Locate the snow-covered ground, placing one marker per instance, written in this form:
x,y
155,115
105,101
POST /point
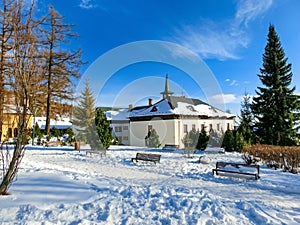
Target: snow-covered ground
x,y
63,186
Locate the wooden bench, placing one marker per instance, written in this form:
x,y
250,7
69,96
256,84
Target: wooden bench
x,y
171,147
53,143
99,152
237,168
146,157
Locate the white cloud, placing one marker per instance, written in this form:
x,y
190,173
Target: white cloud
x,y
234,83
249,10
209,43
87,4
178,51
222,40
224,98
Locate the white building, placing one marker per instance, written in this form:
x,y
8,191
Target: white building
x,y
172,117
120,124
58,122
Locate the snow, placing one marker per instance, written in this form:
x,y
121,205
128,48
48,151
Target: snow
x,y
64,186
121,114
163,108
59,123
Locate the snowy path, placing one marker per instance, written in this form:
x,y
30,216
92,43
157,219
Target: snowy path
x,y
67,187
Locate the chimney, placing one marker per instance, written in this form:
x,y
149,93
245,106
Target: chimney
x,y
150,101
130,107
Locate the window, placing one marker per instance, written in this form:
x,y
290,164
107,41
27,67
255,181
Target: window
x,y
9,133
185,128
118,129
218,127
194,127
125,127
125,138
120,139
210,127
228,126
15,132
154,109
190,107
202,127
149,127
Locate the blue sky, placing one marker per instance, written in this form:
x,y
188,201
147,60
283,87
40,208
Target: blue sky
x,y
229,36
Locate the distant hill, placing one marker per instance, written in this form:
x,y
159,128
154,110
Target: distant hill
x,y
105,109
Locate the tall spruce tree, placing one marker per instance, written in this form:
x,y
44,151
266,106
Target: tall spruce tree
x,y
89,123
84,113
276,107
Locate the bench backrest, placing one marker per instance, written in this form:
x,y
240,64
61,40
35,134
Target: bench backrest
x,y
223,164
148,156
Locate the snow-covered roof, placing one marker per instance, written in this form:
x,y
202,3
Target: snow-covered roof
x,y
180,106
122,114
12,109
60,123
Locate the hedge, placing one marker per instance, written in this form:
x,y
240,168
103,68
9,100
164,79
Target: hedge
x,y
286,157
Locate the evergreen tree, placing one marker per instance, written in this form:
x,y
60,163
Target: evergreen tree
x,y
103,129
239,141
202,140
187,141
84,114
228,141
276,107
93,137
246,122
215,138
194,136
152,139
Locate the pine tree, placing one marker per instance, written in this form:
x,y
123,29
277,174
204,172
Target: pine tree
x,y
84,113
215,138
202,140
103,129
228,141
276,107
246,122
152,139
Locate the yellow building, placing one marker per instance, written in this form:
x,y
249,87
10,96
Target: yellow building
x,y
11,121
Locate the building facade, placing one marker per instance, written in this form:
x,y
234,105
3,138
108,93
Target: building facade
x,y
172,117
120,124
10,126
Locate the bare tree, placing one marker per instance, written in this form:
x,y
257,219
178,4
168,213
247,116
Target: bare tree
x,y
61,65
5,35
22,68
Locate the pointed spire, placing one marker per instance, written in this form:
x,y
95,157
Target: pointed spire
x,y
167,93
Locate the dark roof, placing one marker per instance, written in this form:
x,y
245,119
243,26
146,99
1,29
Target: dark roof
x,y
173,101
139,107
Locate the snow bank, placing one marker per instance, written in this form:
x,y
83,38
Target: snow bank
x,y
67,187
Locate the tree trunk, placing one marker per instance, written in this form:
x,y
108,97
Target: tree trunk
x,y
11,173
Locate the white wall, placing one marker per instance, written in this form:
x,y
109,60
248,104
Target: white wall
x,y
164,128
171,132
122,131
